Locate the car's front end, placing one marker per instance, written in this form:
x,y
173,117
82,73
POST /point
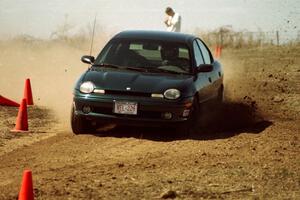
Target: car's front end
x,y
154,104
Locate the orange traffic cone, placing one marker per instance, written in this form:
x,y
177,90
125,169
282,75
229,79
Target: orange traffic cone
x,y
7,102
26,192
218,51
22,119
28,92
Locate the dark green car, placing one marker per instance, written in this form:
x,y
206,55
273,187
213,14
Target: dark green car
x,y
148,78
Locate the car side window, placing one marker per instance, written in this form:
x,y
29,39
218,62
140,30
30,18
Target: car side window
x,y
205,52
198,55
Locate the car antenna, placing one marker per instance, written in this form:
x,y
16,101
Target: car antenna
x,y
93,34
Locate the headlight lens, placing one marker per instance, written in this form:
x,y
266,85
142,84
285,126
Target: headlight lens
x,y
87,87
172,94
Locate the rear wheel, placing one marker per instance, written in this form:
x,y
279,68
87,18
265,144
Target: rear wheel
x,y
79,124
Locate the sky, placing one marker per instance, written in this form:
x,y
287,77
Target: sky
x,y
41,18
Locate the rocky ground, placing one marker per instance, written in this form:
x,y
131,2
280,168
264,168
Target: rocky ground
x,y
252,151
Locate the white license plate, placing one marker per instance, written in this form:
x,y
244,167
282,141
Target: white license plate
x,y
127,108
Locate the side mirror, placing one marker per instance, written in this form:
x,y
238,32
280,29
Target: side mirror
x,y
88,59
205,68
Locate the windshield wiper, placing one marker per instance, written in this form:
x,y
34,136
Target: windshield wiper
x,y
107,65
165,71
120,67
136,69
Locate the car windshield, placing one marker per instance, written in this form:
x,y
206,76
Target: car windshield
x,y
147,56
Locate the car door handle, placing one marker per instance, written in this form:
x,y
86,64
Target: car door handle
x,y
209,78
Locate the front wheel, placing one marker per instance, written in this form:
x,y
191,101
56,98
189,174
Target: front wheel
x,y
190,126
79,125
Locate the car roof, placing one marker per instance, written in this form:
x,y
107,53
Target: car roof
x,y
155,35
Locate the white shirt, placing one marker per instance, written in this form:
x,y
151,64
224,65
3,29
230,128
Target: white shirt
x,y
174,23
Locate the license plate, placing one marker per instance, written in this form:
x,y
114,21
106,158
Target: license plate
x,y
126,108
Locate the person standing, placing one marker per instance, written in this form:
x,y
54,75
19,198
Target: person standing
x,y
173,20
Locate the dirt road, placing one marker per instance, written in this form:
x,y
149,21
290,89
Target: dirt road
x,y
251,153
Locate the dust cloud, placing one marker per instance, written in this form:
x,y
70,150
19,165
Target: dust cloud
x,y
53,68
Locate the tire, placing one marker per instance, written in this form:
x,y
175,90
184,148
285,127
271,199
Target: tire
x,y
79,125
190,126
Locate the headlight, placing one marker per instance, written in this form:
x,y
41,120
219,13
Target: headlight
x,y
172,94
87,87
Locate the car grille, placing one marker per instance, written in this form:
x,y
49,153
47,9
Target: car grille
x,y
127,93
107,111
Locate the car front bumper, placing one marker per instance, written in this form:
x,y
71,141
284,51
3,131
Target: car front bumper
x,y
151,111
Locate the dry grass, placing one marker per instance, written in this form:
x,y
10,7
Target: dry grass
x,y
244,39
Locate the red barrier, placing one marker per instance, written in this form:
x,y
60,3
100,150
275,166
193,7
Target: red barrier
x,y
7,102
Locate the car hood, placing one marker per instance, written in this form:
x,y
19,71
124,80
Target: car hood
x,y
119,80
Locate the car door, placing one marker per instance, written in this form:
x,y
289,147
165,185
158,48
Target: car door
x,y
202,82
213,76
